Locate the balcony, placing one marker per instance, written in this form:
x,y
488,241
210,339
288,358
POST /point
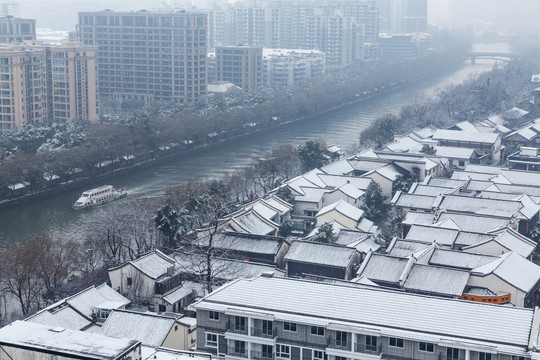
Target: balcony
x,y
236,330
264,333
338,344
259,355
237,354
369,349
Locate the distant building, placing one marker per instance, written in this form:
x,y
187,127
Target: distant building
x,y
16,30
54,83
148,56
288,67
240,65
399,47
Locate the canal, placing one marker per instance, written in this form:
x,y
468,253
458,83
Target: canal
x,y
341,127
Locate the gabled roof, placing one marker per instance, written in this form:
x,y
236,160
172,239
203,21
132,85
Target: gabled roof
x,y
188,287
312,195
383,268
335,181
436,280
480,206
251,222
150,329
472,222
69,343
405,248
431,234
340,167
351,191
514,241
153,264
66,317
474,137
361,241
414,201
244,243
466,126
310,252
514,269
459,259
420,218
344,208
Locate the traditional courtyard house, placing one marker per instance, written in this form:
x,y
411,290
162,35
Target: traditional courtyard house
x,y
151,329
329,260
26,340
489,143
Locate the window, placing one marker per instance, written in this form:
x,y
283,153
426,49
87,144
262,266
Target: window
x,y
371,343
397,342
283,351
267,351
452,354
129,281
484,356
340,358
289,326
317,330
239,347
341,338
518,357
425,346
213,315
239,323
267,327
318,355
461,163
162,308
211,340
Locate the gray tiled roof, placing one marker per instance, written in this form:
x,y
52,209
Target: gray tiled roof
x,y
388,311
319,253
459,259
383,268
430,234
436,280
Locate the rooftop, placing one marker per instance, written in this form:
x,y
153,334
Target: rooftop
x,y
456,135
69,343
320,253
436,280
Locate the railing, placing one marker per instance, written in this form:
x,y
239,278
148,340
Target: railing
x,y
368,349
265,333
259,355
233,329
232,352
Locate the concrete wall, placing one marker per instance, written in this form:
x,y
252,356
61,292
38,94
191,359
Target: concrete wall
x,y
334,215
496,284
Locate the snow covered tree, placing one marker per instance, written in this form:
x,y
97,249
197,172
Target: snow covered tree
x,y
167,222
311,155
403,183
428,150
374,202
325,234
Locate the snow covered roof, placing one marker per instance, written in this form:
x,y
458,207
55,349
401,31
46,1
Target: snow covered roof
x,y
480,206
346,237
435,280
66,317
468,238
466,126
65,342
471,222
459,259
414,201
390,171
405,144
429,190
336,181
383,268
279,204
153,264
150,329
454,152
514,241
340,167
323,254
420,218
351,191
245,243
474,137
222,87
404,248
514,269
252,223
174,296
430,234
343,208
312,195
405,315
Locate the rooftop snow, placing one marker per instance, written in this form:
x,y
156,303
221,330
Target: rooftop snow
x,y
244,243
154,264
85,301
514,269
252,224
436,280
343,208
431,234
476,223
456,135
459,259
319,253
361,306
64,341
383,268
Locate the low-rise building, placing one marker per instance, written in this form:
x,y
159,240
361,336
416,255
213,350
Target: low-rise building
x,y
298,319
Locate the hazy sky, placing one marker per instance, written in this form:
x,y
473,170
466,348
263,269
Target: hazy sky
x,y
509,14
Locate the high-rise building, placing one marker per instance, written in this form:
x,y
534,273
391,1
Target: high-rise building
x,y
16,30
289,67
71,80
240,65
148,56
38,83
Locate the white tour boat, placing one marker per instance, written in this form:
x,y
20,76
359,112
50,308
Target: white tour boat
x,y
98,196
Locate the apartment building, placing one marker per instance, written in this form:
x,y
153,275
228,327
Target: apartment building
x,y
283,67
148,56
240,65
284,318
16,30
53,82
72,82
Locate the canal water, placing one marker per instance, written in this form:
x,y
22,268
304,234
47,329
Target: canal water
x,y
341,127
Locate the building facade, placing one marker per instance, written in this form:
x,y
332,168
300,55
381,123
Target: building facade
x,y
16,30
148,56
271,318
240,65
288,67
54,83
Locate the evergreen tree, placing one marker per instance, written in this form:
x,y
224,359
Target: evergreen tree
x,y
311,155
374,202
